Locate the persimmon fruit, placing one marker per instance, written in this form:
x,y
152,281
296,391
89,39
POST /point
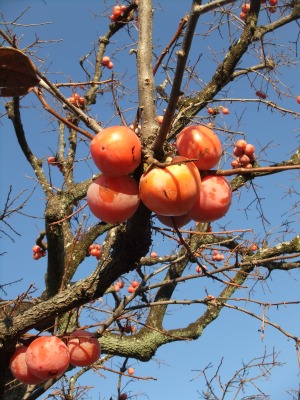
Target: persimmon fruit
x,y
19,367
84,348
116,150
174,221
261,94
246,8
198,142
47,357
171,190
113,199
213,201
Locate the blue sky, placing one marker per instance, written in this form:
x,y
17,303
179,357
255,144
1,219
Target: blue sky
x,y
233,335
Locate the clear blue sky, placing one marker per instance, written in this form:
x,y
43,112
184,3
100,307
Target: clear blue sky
x,y
233,336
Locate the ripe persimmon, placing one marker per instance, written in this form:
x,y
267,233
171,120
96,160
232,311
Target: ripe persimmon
x,y
171,190
171,221
47,357
200,143
246,8
113,199
116,150
19,367
261,94
213,201
84,348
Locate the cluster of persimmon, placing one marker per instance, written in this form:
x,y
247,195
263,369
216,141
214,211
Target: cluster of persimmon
x,y
175,192
118,286
77,100
217,256
95,250
49,357
246,8
117,12
245,154
106,62
217,110
245,11
38,252
131,288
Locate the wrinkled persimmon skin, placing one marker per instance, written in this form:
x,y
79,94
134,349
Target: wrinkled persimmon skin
x,y
116,150
213,201
172,190
19,367
200,143
47,357
84,348
113,199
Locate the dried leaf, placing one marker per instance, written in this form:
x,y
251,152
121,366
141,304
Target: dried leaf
x,y
17,73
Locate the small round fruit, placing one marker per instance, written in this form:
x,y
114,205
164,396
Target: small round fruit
x,y
249,149
130,289
241,144
160,119
47,357
172,221
135,284
153,254
116,150
105,60
52,160
84,348
244,159
213,201
19,367
235,163
123,396
225,110
36,249
261,94
246,8
272,10
243,16
130,371
171,190
237,151
200,143
298,99
113,199
211,111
